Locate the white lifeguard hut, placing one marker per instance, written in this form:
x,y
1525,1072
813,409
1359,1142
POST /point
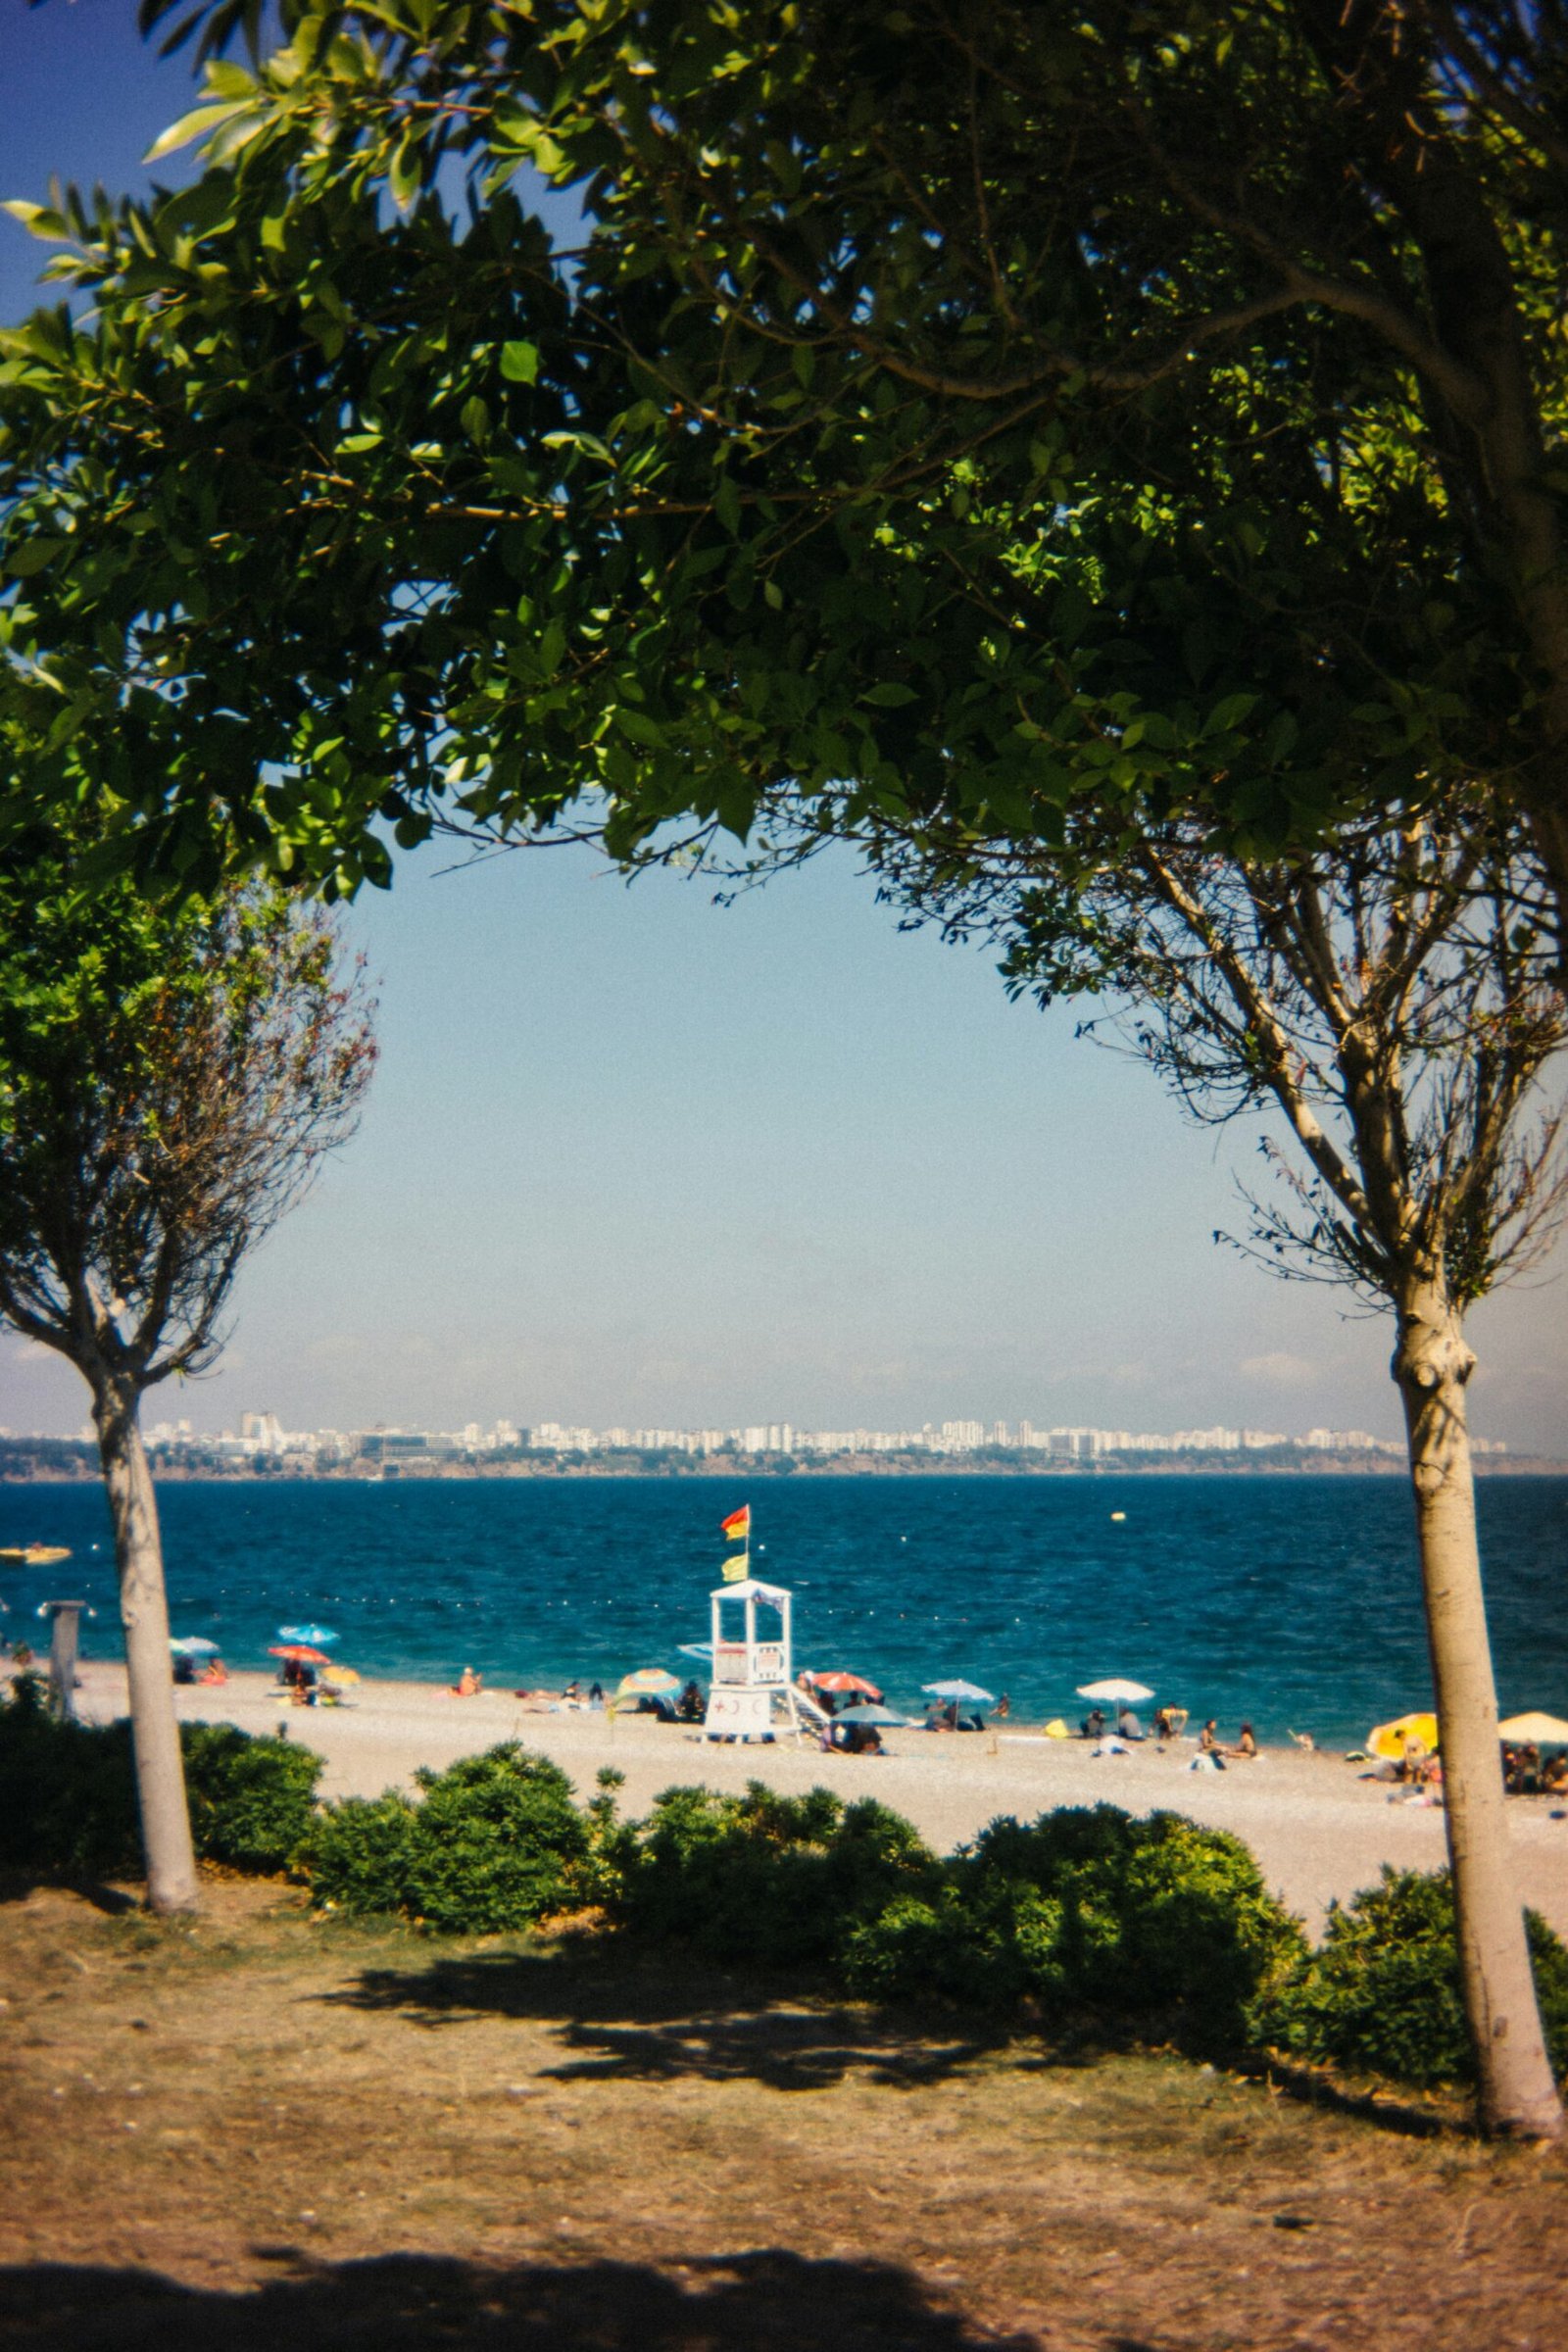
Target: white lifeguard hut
x,y
752,1694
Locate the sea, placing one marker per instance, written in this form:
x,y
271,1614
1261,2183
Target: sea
x,y
1291,1601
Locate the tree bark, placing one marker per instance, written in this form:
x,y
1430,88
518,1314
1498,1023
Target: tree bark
x,y
144,1613
1431,1366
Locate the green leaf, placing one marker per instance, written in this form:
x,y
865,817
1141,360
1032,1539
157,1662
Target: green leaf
x,y
191,127
33,556
890,695
519,363
640,727
727,506
38,220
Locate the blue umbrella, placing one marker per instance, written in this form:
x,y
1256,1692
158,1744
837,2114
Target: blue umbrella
x,y
877,1715
960,1691
314,1636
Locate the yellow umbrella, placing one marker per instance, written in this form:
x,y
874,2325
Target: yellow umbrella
x,y
1389,1739
339,1674
1547,1731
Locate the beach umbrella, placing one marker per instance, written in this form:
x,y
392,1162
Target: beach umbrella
x,y
874,1714
1123,1693
302,1654
315,1634
696,1650
1389,1738
1547,1731
838,1680
648,1682
970,1690
194,1645
342,1675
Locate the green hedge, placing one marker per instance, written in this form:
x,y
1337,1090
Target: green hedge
x,y
766,1876
68,1791
495,1843
1151,1925
1381,1993
1139,1920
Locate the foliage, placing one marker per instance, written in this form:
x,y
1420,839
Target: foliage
x,y
252,1800
358,1854
1091,1910
169,1078
767,1876
495,1841
854,457
68,1798
1381,1994
68,1791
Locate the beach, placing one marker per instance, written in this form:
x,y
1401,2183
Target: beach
x,y
1318,1828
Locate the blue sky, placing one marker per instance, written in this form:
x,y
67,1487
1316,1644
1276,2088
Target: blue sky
x,y
632,1158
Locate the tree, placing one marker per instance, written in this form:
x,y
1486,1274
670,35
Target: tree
x,y
869,299
169,1082
1386,1000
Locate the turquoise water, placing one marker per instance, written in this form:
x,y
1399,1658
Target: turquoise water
x,y
1293,1601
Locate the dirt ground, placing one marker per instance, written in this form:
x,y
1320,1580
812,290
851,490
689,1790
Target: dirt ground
x,y
261,2131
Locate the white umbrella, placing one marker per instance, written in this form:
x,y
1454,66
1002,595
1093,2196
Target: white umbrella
x,y
1122,1692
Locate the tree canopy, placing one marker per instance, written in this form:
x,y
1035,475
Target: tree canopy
x,y
946,413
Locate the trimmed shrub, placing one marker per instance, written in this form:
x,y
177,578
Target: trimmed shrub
x,y
358,1853
497,1842
251,1801
1381,1995
494,1842
68,1791
768,1877
1095,1910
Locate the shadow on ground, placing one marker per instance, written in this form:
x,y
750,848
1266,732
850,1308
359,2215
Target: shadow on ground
x,y
659,2023
767,2301
17,1884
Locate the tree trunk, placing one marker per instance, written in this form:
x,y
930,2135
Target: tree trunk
x,y
1431,1364
144,1613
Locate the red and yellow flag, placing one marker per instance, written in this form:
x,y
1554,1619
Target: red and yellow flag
x,y
738,1526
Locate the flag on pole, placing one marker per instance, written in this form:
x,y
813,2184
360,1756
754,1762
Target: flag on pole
x,y
735,1568
738,1526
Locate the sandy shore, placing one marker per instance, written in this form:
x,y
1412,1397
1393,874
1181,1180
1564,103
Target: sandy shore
x,y
1317,1828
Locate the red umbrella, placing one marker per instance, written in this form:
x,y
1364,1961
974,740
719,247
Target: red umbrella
x,y
302,1654
843,1682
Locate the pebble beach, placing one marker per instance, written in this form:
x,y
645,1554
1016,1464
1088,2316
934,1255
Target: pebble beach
x,y
1318,1828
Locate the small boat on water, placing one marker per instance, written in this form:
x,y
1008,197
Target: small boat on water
x,y
35,1555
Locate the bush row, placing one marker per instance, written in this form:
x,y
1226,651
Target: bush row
x,y
67,1794
1151,1926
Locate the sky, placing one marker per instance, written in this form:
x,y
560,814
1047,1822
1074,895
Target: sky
x,y
633,1159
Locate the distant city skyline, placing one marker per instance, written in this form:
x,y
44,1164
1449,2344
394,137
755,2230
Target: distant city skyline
x,y
262,1435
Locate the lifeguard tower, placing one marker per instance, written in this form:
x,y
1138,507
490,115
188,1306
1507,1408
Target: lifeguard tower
x,y
753,1695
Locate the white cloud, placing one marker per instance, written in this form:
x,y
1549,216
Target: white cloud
x,y
1285,1370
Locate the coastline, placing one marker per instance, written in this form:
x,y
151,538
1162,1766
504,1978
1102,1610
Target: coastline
x,y
719,1466
1318,1830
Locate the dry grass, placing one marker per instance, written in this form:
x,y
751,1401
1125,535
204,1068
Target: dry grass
x,y
264,2130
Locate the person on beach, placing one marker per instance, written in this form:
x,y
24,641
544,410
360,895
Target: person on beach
x,y
596,1694
1208,1737
1246,1744
1004,1708
468,1685
1094,1724
1305,1743
1129,1725
1554,1775
691,1706
1168,1723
